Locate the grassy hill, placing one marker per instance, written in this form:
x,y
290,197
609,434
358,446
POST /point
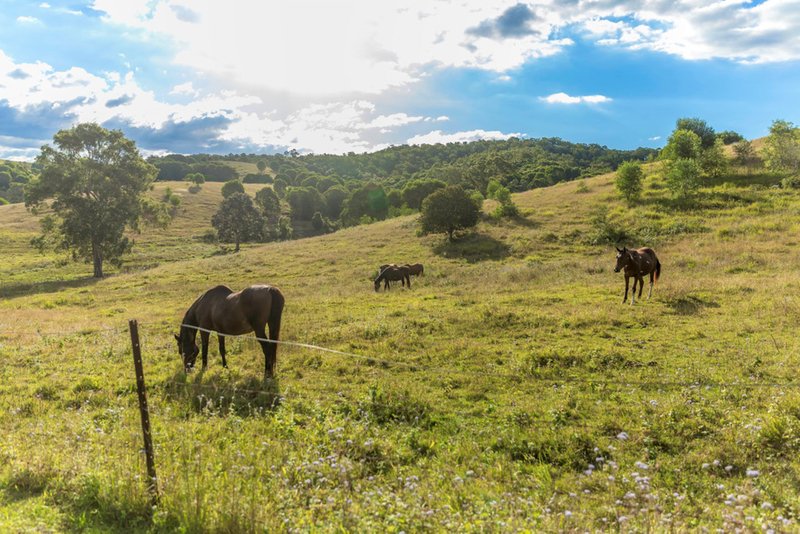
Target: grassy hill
x,y
508,389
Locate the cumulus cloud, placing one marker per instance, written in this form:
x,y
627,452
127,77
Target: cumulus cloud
x,y
28,20
564,98
437,136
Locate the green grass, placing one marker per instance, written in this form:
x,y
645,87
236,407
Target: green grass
x,y
517,367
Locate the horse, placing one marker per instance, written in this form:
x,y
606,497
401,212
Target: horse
x,y
636,264
415,269
392,273
228,313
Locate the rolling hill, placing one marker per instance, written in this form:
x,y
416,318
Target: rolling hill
x,y
508,389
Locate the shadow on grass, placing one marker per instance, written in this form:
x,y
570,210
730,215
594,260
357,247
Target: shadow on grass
x,y
10,291
516,220
223,393
473,248
690,305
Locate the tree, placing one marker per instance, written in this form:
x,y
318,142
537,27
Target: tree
x,y
232,187
304,202
261,166
745,154
713,160
318,222
782,147
684,144
683,177
368,201
238,220
448,210
280,187
629,181
97,181
268,202
701,128
334,199
416,191
729,137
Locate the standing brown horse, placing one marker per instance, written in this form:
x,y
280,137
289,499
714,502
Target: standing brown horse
x,y
392,273
636,264
228,313
415,269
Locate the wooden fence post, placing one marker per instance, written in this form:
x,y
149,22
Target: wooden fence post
x,y
152,486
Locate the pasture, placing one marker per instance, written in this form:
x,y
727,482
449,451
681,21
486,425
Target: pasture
x,y
509,389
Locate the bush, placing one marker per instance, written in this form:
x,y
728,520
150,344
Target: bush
x,y
629,181
582,187
683,177
791,182
507,209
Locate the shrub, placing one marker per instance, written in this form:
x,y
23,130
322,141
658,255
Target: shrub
x,y
629,181
448,210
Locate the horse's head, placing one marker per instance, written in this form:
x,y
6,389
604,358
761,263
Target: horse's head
x,y
378,283
187,348
623,257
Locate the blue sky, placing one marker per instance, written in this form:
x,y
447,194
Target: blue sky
x,y
325,76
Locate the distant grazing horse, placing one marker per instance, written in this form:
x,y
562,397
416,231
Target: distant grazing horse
x,y
392,273
415,269
636,264
233,314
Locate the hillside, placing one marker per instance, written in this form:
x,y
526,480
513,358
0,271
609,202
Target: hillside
x,y
508,389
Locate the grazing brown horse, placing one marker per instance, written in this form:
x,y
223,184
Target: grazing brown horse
x,y
636,264
392,273
228,313
415,269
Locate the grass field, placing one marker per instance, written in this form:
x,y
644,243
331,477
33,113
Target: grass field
x,y
509,389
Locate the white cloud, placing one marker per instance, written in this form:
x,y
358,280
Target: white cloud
x,y
437,136
367,47
184,89
44,5
654,138
28,20
564,98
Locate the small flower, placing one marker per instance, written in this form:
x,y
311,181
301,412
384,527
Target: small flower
x,y
706,465
753,473
766,506
728,468
622,436
567,514
642,465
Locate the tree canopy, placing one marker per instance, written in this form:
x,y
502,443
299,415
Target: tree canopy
x,y
448,210
238,220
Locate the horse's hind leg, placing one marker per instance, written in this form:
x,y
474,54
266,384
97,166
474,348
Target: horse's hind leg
x,y
652,278
641,286
633,293
625,298
221,339
204,342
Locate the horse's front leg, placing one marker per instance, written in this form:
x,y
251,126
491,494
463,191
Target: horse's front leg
x,y
204,342
625,298
633,293
221,339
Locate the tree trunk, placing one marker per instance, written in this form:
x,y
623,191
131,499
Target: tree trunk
x,y
97,260
237,245
450,234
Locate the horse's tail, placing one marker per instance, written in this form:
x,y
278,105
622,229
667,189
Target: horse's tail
x,y
658,271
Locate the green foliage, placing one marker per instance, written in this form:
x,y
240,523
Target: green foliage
x,y
745,154
506,209
683,177
196,178
395,198
269,204
701,128
238,220
304,202
682,144
729,137
713,161
252,178
581,187
5,179
3,201
261,165
416,191
231,188
629,181
448,210
782,147
280,187
791,182
96,180
335,198
367,201
477,198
